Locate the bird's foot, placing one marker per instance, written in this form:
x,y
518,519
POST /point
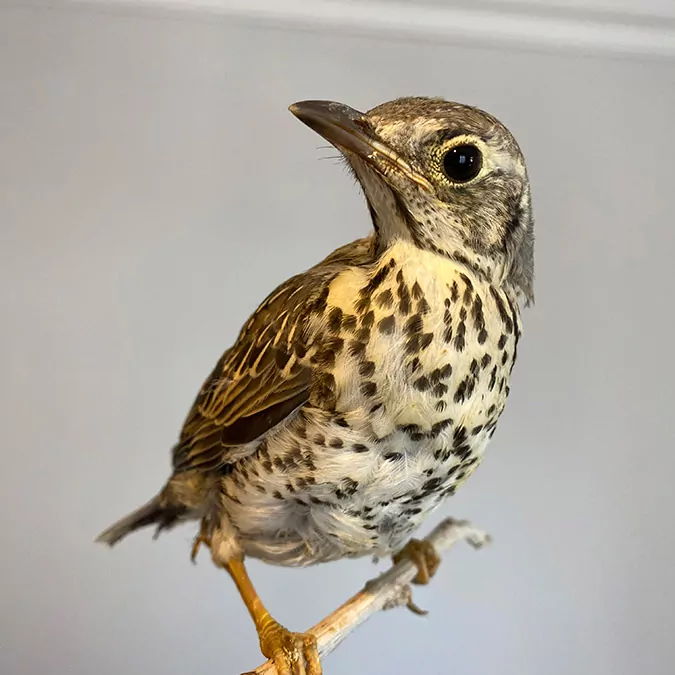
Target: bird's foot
x,y
292,653
425,557
202,538
427,560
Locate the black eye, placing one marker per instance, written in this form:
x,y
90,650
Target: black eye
x,y
462,163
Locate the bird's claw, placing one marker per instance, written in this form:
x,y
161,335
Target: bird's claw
x,y
292,653
423,554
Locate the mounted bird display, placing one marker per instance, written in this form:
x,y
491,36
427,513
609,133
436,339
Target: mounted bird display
x,y
363,392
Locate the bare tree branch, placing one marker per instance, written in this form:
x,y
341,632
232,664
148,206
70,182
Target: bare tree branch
x,y
390,589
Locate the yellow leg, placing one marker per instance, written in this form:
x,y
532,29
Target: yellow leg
x,y
292,653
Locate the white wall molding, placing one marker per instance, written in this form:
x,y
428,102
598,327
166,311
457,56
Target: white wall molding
x,y
516,24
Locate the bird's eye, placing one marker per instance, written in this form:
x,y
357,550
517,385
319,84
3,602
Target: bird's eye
x,y
462,163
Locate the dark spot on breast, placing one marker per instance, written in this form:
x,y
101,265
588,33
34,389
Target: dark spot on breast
x,y
404,303
503,314
415,365
432,484
363,334
459,435
502,341
493,378
412,346
387,325
362,304
356,348
413,431
349,322
335,319
423,306
385,299
336,443
417,291
440,389
425,340
447,334
441,406
440,426
466,280
324,389
462,451
367,368
393,456
422,383
482,336
461,393
454,292
377,280
459,338
368,388
414,325
359,447
308,460
376,407
446,371
485,361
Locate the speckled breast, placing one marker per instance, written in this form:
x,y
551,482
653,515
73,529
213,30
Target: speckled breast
x,y
421,351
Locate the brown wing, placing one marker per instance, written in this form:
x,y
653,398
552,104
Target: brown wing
x,y
266,376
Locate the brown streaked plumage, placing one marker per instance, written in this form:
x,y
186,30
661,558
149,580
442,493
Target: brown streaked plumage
x,y
363,392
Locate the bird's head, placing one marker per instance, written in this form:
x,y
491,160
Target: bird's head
x,y
447,176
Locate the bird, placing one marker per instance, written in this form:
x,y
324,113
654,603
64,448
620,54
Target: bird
x,y
362,392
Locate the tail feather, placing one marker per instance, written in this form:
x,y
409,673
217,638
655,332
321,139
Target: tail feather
x,y
152,513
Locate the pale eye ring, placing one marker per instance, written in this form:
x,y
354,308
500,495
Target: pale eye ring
x,y
462,163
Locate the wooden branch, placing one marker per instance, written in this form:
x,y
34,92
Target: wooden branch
x,y
390,589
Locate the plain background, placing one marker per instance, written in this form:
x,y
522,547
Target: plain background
x,y
153,189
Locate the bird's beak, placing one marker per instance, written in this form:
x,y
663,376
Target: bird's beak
x,y
349,130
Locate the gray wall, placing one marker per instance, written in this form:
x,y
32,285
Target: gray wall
x,y
154,188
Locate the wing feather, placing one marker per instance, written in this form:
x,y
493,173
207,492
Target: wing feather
x,y
266,376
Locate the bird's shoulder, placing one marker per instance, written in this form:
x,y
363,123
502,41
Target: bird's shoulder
x,y
266,374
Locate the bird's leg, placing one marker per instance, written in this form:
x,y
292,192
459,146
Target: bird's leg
x,y
292,653
427,560
202,538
